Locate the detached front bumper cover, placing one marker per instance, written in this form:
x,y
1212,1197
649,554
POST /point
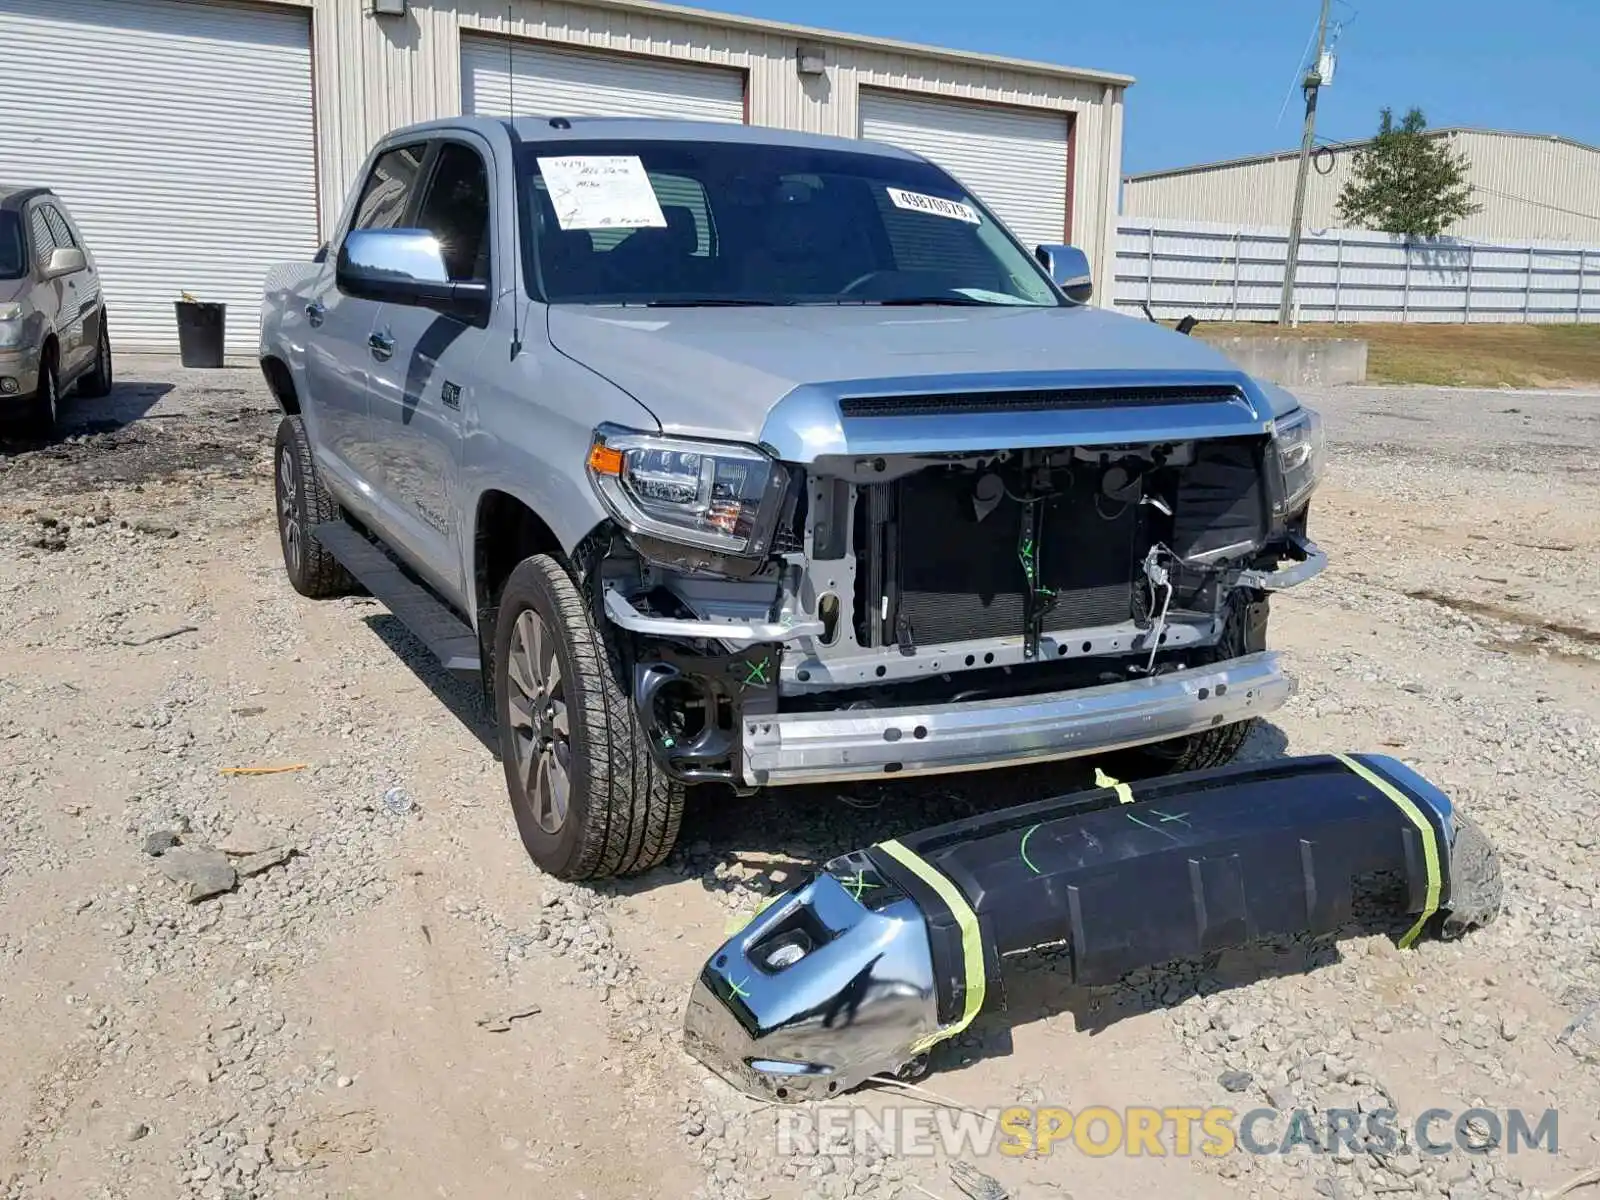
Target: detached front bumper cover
x,y
892,949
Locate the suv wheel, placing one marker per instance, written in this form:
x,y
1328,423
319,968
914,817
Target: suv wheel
x,y
589,800
47,400
98,381
303,504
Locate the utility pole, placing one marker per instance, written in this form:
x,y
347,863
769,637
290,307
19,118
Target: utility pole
x,y
1313,83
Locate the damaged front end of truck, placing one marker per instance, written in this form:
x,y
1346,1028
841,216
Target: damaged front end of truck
x,y
903,579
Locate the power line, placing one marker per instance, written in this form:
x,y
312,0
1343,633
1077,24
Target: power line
x,y
1299,74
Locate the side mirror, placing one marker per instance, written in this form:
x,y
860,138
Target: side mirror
x,y
1069,267
64,260
406,266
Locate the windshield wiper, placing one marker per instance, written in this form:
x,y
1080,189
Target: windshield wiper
x,y
961,301
715,302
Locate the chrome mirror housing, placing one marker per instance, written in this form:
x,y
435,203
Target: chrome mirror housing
x,y
1069,268
406,266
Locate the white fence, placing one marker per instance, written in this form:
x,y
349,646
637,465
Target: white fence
x,y
1231,273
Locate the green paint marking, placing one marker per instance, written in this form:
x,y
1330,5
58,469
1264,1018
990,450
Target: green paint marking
x,y
1023,850
737,989
1150,827
1168,818
757,673
858,885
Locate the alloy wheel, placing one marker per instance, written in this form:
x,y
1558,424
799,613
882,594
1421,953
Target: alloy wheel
x,y
541,733
288,510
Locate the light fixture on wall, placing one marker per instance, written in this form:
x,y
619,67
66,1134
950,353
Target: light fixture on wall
x,y
809,60
388,8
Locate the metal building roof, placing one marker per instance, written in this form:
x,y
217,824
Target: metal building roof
x,y
836,38
1337,147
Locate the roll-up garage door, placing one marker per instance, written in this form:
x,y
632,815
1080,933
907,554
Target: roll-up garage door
x,y
1015,161
180,135
500,78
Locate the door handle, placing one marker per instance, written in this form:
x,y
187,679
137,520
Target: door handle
x,y
315,312
382,345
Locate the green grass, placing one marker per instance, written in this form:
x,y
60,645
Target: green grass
x,y
1458,355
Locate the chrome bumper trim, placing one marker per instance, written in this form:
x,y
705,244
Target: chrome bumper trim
x,y
736,633
867,744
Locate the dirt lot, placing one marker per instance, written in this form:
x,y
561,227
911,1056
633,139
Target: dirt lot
x,y
319,1031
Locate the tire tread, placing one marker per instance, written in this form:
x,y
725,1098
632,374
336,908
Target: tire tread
x,y
634,809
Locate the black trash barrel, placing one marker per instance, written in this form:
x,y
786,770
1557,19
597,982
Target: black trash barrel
x,y
202,330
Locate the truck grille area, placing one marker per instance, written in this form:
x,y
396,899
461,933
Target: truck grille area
x,y
1051,400
959,564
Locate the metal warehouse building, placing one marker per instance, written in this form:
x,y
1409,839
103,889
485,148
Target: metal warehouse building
x,y
1531,187
201,141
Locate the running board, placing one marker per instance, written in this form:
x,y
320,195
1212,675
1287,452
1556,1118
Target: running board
x,y
892,949
447,637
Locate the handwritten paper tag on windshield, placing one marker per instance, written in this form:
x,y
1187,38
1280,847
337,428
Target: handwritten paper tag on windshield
x,y
935,205
594,192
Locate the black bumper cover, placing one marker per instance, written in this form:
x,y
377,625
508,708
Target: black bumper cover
x,y
891,949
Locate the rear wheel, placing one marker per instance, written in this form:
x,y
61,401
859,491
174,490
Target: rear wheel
x,y
303,504
589,799
98,381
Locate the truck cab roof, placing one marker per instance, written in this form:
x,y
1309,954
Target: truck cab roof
x,y
556,128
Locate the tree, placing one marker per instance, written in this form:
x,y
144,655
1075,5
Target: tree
x,y
1407,181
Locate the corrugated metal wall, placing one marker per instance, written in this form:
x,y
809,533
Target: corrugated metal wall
x,y
1235,273
1530,188
374,74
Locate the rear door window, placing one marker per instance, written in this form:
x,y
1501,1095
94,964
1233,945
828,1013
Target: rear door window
x,y
39,232
59,229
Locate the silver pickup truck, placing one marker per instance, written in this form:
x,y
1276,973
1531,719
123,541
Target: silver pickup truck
x,y
729,455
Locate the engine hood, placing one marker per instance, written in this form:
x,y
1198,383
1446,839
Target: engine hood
x,y
775,374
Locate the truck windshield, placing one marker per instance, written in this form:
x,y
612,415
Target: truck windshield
x,y
13,254
670,223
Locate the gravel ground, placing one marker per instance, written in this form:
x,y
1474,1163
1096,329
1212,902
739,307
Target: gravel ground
x,y
384,999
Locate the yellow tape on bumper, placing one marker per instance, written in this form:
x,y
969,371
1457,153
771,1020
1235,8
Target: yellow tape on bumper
x,y
1430,841
1123,791
971,940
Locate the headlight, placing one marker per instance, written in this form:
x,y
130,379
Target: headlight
x,y
12,323
1298,441
712,495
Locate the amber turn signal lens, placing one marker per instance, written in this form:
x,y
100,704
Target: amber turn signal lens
x,y
603,460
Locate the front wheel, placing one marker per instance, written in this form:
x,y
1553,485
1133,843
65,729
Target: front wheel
x,y
589,799
1244,633
46,410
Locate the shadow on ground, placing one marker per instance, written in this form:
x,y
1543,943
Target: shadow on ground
x,y
463,698
79,416
806,826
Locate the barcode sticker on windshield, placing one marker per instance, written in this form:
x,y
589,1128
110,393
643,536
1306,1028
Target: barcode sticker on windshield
x,y
936,205
602,192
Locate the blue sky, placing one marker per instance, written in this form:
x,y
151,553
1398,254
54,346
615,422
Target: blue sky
x,y
1212,76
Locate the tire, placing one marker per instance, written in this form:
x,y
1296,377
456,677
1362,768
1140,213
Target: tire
x,y
552,669
98,382
1202,751
1210,748
46,408
303,504
1476,888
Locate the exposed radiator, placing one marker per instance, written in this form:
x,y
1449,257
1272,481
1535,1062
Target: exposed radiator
x,y
959,577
